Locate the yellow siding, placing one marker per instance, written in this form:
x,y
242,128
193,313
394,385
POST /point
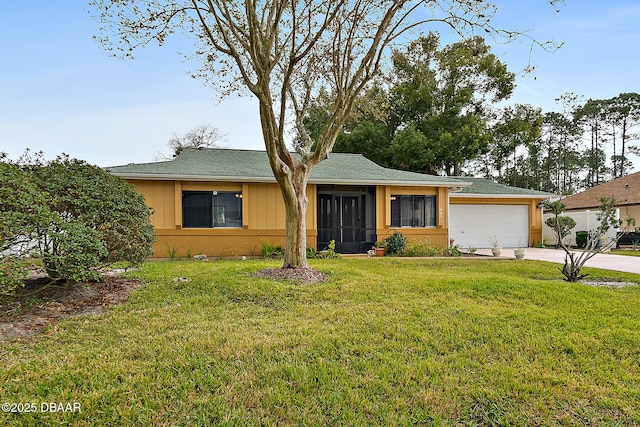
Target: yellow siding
x,y
438,235
159,195
263,216
266,206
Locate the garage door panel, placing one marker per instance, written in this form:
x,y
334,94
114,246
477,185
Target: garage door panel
x,y
475,225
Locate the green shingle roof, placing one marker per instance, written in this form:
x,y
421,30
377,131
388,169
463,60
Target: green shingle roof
x,y
218,164
215,164
483,186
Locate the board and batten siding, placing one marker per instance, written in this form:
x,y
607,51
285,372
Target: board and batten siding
x,y
263,219
438,236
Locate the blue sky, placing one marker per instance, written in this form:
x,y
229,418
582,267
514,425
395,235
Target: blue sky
x,y
61,92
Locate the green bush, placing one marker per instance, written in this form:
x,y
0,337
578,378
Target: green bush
x,y
23,209
581,239
329,251
12,272
75,253
422,248
102,202
396,243
76,216
271,250
22,212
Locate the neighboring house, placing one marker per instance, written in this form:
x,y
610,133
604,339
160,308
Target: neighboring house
x,y
625,190
486,210
584,207
226,202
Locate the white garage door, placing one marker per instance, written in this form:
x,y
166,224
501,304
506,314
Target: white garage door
x,y
474,225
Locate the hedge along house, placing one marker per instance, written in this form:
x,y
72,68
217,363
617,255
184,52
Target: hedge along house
x,y
221,202
226,202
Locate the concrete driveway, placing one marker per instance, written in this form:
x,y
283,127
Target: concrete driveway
x,y
629,264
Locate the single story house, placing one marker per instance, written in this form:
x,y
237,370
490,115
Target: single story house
x,y
625,190
227,202
486,211
584,207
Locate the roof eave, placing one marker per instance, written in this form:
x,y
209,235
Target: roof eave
x,y
390,182
171,177
501,196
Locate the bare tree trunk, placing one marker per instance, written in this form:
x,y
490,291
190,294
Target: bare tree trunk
x,y
296,203
292,176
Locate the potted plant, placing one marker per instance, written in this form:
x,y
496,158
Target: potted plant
x,y
496,249
519,252
380,247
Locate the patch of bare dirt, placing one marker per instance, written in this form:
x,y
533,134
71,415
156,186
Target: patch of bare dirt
x,y
303,275
28,314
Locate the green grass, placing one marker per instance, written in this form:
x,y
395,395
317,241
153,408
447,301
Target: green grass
x,y
382,342
625,252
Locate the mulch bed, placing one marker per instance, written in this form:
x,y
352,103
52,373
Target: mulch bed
x,y
28,314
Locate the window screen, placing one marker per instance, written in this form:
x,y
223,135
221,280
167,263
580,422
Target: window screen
x,y
207,209
413,211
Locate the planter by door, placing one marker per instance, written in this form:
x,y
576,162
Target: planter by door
x,y
519,253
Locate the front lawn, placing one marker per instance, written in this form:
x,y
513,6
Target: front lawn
x,y
627,252
382,342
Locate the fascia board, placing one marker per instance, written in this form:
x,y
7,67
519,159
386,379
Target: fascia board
x,y
499,196
170,177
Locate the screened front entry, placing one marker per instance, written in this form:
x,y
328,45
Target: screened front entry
x,y
346,215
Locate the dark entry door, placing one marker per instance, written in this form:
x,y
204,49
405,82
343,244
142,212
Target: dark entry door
x,y
341,217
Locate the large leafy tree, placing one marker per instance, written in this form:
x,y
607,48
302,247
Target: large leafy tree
x,y
591,116
620,116
283,52
519,127
562,160
445,95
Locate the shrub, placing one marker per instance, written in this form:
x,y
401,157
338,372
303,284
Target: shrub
x,y
11,275
74,253
271,250
581,239
561,225
329,251
422,248
396,243
77,216
101,202
23,209
607,219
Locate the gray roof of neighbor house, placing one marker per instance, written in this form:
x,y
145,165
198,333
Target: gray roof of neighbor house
x,y
482,187
625,190
217,164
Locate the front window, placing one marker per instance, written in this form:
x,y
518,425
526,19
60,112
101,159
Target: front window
x,y
208,209
413,211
